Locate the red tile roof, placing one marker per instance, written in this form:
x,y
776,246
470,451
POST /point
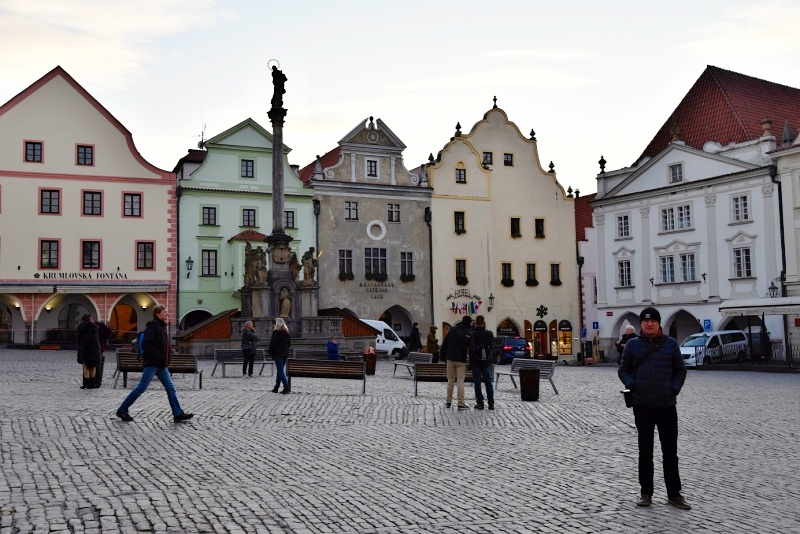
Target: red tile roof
x,y
583,216
194,156
248,235
328,160
728,107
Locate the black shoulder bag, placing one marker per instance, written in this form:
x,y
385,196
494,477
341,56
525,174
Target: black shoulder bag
x,y
628,394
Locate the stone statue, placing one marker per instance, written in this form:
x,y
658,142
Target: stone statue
x,y
249,272
286,302
260,261
294,265
309,266
278,82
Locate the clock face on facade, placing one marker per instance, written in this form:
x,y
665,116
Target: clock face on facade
x,y
281,255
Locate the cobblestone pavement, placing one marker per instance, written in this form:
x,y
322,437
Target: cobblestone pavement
x,y
324,459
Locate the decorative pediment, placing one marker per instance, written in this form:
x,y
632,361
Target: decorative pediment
x,y
623,252
741,238
373,133
677,245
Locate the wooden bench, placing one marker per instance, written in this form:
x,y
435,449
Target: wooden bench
x,y
298,367
434,372
413,357
224,357
322,354
131,362
546,370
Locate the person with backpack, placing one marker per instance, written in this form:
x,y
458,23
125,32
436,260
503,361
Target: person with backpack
x,y
480,361
155,350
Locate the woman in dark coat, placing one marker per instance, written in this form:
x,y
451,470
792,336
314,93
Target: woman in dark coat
x,y
279,350
88,350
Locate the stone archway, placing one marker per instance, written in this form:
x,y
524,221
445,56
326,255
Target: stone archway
x,y
399,319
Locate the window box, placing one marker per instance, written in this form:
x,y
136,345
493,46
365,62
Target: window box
x,y
407,277
531,282
378,277
462,280
507,282
346,276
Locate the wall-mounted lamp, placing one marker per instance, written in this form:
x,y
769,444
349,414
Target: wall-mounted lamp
x,y
773,290
491,302
47,309
189,265
651,281
144,306
16,305
704,276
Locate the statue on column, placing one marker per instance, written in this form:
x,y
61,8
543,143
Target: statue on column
x,y
294,266
309,266
255,265
249,272
278,82
286,302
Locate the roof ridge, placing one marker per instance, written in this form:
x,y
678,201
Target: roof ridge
x,y
712,71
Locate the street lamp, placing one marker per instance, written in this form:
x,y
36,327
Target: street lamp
x,y
491,301
773,290
189,265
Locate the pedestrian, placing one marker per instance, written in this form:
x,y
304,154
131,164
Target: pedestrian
x,y
333,349
629,334
89,352
455,349
432,344
480,361
155,351
279,350
414,341
104,334
249,346
652,368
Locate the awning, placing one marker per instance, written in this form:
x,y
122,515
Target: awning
x,y
766,306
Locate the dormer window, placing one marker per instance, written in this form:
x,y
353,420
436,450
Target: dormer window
x,y
676,173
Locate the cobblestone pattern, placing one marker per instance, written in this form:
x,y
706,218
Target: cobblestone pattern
x,y
324,459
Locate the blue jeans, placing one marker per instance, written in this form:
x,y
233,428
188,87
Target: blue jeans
x,y
483,373
280,378
147,375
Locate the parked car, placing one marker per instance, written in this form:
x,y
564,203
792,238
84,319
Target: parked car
x,y
508,348
706,348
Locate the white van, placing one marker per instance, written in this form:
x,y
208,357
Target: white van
x,y
387,339
718,346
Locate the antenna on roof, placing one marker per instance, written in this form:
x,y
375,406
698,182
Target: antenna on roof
x,y
202,143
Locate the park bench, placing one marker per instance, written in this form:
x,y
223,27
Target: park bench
x,y
299,367
131,362
224,357
322,354
434,372
546,370
413,357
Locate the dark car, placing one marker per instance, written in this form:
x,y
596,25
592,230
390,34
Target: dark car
x,y
508,348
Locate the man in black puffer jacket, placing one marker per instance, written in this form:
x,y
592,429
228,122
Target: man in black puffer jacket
x,y
652,368
455,349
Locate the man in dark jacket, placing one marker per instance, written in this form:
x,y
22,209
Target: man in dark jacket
x,y
155,358
249,342
455,348
480,361
414,340
652,368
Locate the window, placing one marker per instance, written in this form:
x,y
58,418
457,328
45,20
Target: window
x,y
144,254
623,226
508,160
209,216
676,218
49,254
49,201
406,263
487,158
538,226
90,255
85,155
687,268
530,271
740,210
741,263
33,151
132,205
345,262
505,270
92,203
351,211
676,173
458,222
248,168
394,212
372,168
288,219
209,263
624,273
461,269
248,217
461,176
667,269
374,260
515,228
555,274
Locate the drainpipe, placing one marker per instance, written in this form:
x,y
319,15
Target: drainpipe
x,y
178,194
773,173
428,219
317,210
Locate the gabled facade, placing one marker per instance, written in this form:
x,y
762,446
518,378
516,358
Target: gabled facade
x,y
86,224
504,238
374,239
225,202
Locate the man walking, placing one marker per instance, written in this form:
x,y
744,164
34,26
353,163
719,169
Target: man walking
x,y
454,350
652,368
415,340
480,361
155,357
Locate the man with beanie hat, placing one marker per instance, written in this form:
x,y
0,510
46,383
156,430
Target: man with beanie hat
x,y
455,348
652,368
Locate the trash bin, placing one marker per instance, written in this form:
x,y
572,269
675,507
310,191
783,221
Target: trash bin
x,y
370,358
529,384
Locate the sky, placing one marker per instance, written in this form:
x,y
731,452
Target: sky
x,y
591,78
